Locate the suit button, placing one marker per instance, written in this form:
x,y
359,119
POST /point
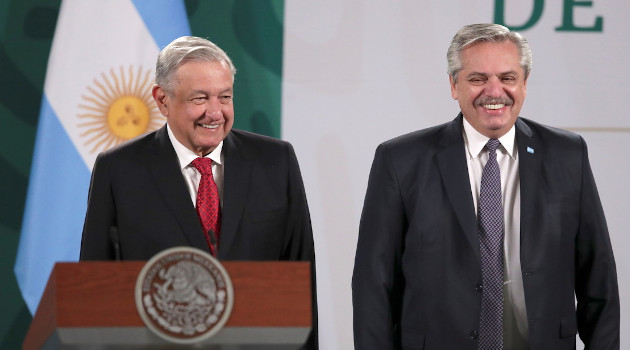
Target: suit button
x,y
474,334
479,288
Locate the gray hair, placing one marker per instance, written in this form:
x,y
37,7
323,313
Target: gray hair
x,y
485,32
186,49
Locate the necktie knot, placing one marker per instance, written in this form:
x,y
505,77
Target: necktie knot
x,y
203,165
492,145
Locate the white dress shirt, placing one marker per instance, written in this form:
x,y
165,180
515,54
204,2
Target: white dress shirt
x,y
191,174
515,327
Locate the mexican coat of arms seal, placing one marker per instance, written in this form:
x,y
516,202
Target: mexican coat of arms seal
x,y
184,295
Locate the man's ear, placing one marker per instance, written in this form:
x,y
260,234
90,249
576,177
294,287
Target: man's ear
x,y
161,99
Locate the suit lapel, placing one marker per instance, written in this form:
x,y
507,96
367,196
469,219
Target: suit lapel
x,y
530,163
236,175
170,183
454,172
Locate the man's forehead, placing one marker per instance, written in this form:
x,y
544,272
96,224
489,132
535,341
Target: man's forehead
x,y
486,54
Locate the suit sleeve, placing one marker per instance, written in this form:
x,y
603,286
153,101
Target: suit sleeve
x,y
96,243
299,237
376,280
298,241
596,289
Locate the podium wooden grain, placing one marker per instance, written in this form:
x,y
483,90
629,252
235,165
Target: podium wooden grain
x,y
101,294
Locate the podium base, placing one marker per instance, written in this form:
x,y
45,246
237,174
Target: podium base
x,y
232,338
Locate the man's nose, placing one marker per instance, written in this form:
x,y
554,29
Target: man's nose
x,y
494,87
213,107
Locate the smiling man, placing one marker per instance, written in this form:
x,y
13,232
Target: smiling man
x,y
150,194
490,85
482,232
196,181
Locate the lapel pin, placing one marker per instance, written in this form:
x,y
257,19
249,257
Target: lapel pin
x,y
530,150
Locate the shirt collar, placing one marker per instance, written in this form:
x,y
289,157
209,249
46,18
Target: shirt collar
x,y
186,156
475,141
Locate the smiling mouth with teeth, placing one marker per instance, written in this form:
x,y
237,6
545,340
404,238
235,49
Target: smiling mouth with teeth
x,y
496,106
208,126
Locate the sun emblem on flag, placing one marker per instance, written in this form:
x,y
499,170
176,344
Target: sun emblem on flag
x,y
118,107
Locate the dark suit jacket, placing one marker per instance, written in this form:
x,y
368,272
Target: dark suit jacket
x,y
417,267
139,188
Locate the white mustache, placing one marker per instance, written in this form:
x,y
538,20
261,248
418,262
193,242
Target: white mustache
x,y
494,101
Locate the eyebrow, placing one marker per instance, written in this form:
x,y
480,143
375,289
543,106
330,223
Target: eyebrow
x,y
473,74
204,92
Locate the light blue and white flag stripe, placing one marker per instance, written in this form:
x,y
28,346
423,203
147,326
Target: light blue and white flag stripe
x,y
102,47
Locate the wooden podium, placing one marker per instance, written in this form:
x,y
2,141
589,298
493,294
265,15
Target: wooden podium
x,y
91,305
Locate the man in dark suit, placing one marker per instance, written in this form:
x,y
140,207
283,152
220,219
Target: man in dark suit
x,y
420,279
143,193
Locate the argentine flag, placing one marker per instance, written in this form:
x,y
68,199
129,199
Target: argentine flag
x,y
97,94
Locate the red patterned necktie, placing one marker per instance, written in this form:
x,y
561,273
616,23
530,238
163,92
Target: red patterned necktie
x,y
208,206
